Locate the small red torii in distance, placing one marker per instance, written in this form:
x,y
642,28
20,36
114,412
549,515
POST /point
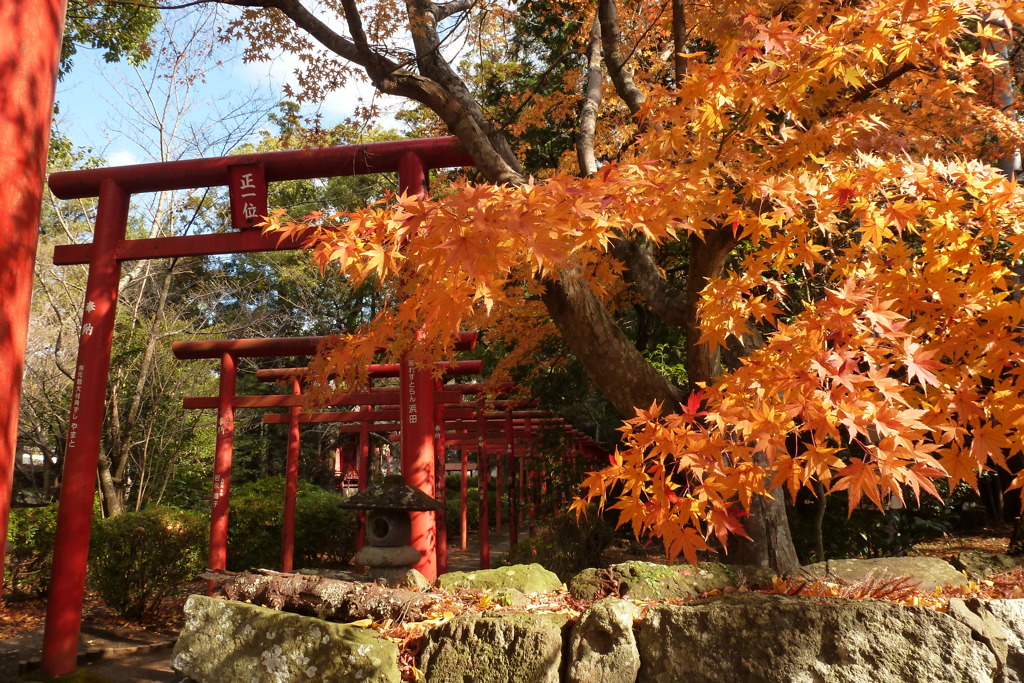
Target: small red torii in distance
x,y
229,350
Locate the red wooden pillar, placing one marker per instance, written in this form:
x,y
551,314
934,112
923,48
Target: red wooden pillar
x,y
364,475
483,473
74,516
291,483
417,411
221,496
29,54
499,488
440,481
463,491
513,503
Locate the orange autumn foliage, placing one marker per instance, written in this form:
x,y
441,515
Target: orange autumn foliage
x,y
847,146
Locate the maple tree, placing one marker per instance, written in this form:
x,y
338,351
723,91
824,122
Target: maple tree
x,y
818,176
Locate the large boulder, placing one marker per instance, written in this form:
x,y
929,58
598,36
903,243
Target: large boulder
x,y
650,581
998,624
527,578
978,565
603,646
930,572
224,640
495,648
784,639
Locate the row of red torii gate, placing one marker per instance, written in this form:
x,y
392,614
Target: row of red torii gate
x,y
500,432
422,403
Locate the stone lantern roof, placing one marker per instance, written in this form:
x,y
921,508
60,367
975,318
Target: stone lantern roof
x,y
393,494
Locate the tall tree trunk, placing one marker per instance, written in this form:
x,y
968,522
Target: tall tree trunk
x,y
768,527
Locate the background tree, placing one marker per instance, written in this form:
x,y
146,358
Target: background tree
x,y
780,155
148,439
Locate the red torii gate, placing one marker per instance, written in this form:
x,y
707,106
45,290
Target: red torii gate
x,y
229,350
412,159
444,412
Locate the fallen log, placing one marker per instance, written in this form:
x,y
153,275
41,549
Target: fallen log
x,y
330,599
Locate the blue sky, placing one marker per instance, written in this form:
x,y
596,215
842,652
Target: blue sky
x,y
94,112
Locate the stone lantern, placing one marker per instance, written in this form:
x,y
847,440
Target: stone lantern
x,y
387,552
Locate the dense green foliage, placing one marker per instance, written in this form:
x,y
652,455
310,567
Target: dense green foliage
x,y
138,558
120,29
30,549
324,533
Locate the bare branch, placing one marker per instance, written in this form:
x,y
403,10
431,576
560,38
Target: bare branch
x,y
445,10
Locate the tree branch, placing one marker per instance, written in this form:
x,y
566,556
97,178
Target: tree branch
x,y
620,75
591,103
666,301
615,365
445,10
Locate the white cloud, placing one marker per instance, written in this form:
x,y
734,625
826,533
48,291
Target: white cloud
x,y
121,157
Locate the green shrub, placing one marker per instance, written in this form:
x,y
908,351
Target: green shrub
x,y
139,558
324,533
453,509
566,545
30,533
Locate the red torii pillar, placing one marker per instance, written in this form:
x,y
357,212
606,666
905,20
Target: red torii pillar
x,y
29,55
417,409
291,484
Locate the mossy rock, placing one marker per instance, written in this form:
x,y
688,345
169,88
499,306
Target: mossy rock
x,y
225,640
527,578
506,647
650,581
978,565
929,572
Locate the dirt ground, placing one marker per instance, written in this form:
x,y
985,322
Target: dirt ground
x,y
113,650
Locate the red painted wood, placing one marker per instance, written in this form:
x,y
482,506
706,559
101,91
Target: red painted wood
x,y
324,162
450,369
463,488
243,242
347,416
29,53
482,475
383,397
417,407
510,455
74,516
221,496
247,195
440,475
291,484
364,472
282,346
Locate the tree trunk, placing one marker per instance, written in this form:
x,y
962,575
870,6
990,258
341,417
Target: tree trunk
x,y
111,494
325,598
767,524
611,360
772,544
